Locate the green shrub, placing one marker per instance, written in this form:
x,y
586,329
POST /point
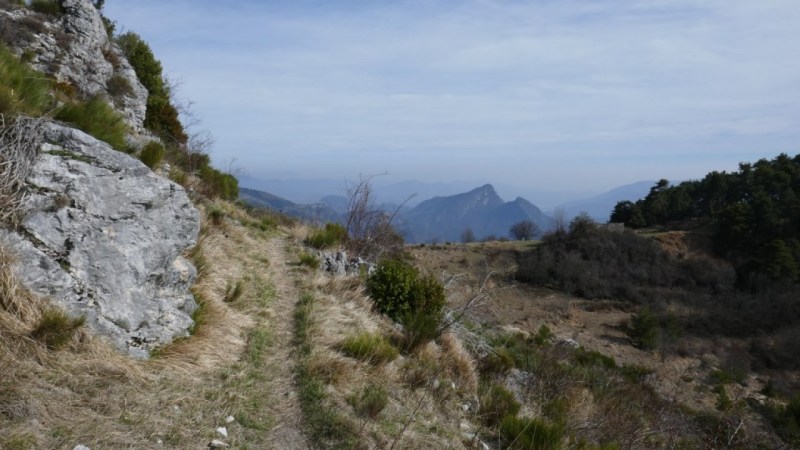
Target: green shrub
x,y
496,404
371,347
419,328
22,90
331,235
592,358
309,260
161,117
51,7
219,184
786,420
119,86
98,119
643,330
56,328
152,154
524,433
543,336
397,288
498,362
370,402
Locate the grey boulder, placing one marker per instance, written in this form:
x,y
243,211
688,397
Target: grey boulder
x,y
103,238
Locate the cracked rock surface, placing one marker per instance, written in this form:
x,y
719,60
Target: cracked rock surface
x,y
103,238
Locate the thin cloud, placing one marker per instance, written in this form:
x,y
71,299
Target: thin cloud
x,y
341,88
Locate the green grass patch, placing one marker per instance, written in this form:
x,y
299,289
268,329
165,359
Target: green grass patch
x,y
258,339
22,89
200,314
98,119
327,428
56,328
331,235
370,347
152,154
309,260
525,433
369,402
50,7
234,291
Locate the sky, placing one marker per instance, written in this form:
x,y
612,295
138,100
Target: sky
x,y
574,95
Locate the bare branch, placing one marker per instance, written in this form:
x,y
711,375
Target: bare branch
x,y
19,146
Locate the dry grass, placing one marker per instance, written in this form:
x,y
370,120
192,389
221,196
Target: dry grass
x,y
87,393
425,389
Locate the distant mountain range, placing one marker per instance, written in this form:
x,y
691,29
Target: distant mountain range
x,y
315,213
599,207
481,210
445,218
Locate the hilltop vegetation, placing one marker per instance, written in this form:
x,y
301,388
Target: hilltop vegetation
x,y
754,214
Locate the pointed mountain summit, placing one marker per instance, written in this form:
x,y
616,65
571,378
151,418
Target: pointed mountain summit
x,y
481,209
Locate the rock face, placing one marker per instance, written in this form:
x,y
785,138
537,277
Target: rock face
x,y
75,49
336,263
103,237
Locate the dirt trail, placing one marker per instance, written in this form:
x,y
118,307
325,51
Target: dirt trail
x,y
287,432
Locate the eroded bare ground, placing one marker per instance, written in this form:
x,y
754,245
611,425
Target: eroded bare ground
x,y
235,372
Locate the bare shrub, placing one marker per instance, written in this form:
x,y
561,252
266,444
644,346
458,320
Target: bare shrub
x,y
370,230
19,141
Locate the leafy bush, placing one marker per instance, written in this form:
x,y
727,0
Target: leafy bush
x,y
219,184
162,116
370,402
331,235
398,288
97,118
496,404
22,90
524,433
56,328
51,7
371,347
152,154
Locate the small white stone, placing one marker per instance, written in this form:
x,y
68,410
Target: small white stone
x,y
81,447
229,419
465,407
217,444
223,431
453,385
435,384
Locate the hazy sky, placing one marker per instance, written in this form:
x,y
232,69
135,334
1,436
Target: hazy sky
x,y
581,94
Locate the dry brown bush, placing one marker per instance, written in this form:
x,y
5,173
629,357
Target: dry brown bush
x,y
19,140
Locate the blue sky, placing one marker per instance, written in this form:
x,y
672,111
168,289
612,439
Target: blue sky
x,y
569,94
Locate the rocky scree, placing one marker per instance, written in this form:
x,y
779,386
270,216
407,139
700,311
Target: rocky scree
x,y
75,49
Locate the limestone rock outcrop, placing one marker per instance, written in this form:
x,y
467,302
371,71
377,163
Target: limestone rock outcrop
x,y
103,237
75,48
